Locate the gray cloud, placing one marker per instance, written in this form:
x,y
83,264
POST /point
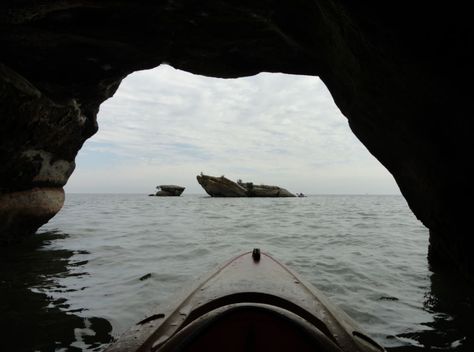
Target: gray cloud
x,y
165,126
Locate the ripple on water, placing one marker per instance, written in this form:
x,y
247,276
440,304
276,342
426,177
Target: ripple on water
x,y
367,253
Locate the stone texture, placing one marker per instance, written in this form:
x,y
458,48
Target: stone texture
x,y
23,212
221,186
265,190
401,74
269,191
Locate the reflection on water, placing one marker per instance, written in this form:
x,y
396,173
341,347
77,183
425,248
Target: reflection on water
x,y
367,253
450,301
31,320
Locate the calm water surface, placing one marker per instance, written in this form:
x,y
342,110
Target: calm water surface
x,y
83,279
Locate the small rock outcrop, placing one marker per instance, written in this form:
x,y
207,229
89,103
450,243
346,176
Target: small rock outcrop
x,y
168,191
223,187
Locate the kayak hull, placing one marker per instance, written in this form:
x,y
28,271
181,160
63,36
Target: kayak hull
x,y
250,302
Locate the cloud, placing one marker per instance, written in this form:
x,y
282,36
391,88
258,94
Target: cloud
x,y
166,126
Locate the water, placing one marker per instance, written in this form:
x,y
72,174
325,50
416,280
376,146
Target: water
x,y
106,260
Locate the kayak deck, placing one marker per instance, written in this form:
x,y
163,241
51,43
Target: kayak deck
x,y
250,303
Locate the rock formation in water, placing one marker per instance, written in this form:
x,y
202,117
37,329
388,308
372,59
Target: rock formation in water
x,y
169,191
400,74
223,187
264,190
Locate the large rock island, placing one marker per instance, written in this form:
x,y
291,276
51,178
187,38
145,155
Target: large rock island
x,y
223,187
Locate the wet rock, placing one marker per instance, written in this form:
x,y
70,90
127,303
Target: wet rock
x,y
22,212
39,140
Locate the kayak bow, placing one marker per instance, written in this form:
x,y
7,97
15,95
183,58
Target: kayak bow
x,y
251,303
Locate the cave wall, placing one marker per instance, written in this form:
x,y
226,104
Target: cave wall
x,y
400,74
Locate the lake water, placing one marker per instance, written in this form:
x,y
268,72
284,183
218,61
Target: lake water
x,y
83,279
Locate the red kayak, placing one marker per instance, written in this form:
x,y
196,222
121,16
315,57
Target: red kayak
x,y
251,303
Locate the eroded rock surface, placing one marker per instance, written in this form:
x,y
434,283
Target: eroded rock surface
x,y
22,212
169,191
401,75
223,187
264,190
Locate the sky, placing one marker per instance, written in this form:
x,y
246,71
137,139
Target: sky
x,y
165,126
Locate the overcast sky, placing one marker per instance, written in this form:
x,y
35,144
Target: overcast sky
x,y
165,126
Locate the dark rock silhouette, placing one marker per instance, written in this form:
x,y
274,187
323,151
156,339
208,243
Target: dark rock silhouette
x,y
169,191
401,75
223,187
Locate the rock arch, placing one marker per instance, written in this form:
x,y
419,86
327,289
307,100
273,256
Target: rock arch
x,y
400,75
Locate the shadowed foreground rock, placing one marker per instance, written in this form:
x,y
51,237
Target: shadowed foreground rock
x,y
23,212
402,75
223,187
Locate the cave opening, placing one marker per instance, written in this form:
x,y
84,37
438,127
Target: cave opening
x,y
400,77
165,126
